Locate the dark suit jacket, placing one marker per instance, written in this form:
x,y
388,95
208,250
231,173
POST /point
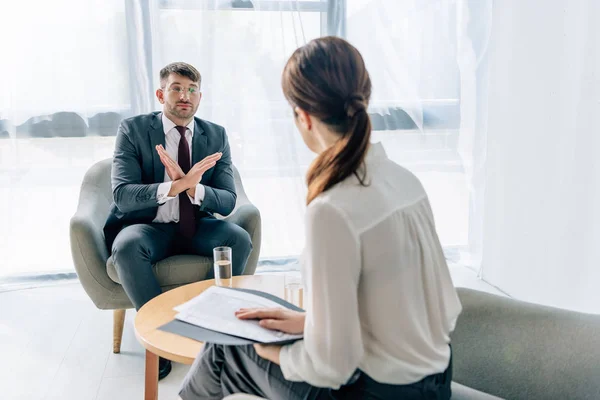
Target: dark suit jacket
x,y
137,172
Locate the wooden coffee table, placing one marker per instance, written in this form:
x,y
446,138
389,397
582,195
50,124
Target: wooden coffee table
x,y
159,311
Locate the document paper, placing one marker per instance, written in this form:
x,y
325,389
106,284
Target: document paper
x,y
215,309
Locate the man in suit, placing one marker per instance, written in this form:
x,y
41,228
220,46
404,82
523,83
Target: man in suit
x,y
171,172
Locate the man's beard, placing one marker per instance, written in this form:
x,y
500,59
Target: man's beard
x,y
183,113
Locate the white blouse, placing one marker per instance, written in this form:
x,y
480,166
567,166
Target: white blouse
x,y
378,292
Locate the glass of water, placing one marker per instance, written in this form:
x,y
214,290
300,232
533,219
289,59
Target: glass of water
x,y
294,290
222,264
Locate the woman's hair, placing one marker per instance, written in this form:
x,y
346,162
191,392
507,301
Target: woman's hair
x,y
328,79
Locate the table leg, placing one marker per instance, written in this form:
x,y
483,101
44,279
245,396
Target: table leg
x,y
151,386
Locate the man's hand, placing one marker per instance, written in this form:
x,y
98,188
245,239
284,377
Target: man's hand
x,y
268,352
181,181
173,169
194,176
280,319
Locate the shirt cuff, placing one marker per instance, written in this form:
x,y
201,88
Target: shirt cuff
x,y
286,363
162,193
199,198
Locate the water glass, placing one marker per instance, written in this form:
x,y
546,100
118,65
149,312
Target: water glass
x,y
294,290
222,265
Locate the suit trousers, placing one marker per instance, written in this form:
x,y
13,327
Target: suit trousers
x,y
138,247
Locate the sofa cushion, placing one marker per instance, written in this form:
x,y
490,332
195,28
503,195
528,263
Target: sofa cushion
x,y
519,350
173,271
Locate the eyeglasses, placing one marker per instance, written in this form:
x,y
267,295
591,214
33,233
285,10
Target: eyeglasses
x,y
192,91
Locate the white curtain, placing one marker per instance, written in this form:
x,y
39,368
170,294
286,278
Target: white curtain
x,y
474,23
411,51
541,237
81,66
240,54
65,77
62,55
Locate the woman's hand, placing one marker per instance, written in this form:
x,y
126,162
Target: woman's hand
x,y
279,319
268,352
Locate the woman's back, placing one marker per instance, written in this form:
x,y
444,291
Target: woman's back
x,y
406,305
380,304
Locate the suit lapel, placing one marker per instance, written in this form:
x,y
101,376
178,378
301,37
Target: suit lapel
x,y
199,143
157,136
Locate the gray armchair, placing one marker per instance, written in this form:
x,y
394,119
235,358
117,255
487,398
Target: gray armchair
x,y
95,269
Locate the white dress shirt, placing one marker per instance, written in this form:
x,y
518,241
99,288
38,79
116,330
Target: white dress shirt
x,y
169,210
378,292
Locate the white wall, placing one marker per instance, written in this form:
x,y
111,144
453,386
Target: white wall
x,y
542,209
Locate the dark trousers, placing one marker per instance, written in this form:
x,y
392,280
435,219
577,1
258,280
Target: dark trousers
x,y
137,247
223,370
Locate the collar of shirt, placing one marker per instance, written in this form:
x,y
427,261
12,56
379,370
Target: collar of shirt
x,y
169,125
375,153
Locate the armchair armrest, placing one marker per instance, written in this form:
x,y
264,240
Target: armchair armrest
x,y
88,248
247,216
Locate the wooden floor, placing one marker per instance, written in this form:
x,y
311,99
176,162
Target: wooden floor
x,y
54,344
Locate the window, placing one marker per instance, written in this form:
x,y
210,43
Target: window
x,y
98,61
66,78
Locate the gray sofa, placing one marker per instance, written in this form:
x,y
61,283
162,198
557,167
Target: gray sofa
x,y
96,270
509,349
518,350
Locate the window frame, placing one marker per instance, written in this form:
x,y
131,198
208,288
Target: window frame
x,y
333,22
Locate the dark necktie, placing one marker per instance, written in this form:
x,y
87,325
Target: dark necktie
x,y
187,222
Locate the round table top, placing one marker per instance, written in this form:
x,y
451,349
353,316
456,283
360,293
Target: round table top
x,y
159,311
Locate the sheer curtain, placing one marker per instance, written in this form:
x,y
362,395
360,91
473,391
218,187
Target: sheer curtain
x,y
65,88
410,48
542,218
474,24
62,55
240,49
85,65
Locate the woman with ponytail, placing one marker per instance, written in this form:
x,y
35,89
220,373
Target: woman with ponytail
x,y
380,300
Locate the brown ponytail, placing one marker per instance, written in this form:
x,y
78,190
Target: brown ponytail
x,y
328,79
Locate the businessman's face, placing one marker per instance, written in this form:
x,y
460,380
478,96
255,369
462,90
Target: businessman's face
x,y
180,97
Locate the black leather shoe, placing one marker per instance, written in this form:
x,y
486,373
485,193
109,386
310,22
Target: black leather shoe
x,y
164,367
